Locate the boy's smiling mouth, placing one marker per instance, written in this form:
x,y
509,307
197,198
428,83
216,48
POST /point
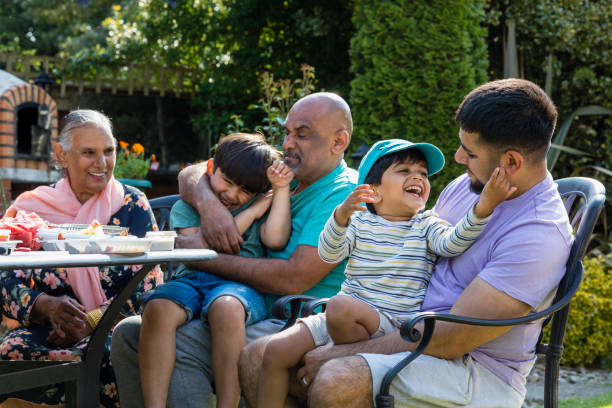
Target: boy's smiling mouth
x,y
415,190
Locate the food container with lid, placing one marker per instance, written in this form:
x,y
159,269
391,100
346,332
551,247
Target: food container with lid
x,y
162,240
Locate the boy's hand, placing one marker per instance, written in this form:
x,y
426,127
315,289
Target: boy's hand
x,y
352,203
279,175
496,190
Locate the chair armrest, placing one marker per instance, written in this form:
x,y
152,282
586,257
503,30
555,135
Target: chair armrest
x,y
291,313
310,306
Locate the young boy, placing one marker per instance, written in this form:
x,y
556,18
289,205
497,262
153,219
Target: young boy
x,y
392,247
236,174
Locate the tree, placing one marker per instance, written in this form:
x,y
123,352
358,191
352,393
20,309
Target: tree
x,y
413,64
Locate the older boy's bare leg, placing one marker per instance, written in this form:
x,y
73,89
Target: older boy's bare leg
x,y
157,348
342,382
226,316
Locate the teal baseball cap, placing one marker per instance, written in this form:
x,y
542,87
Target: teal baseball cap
x,y
433,155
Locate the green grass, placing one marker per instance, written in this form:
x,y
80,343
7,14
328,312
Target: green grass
x,y
600,401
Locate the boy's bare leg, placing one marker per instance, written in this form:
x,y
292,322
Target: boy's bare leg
x,y
350,320
283,351
226,317
157,349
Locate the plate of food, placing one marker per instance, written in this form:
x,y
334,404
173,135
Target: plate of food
x,y
94,245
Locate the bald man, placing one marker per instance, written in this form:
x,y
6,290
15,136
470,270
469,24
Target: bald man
x,y
318,131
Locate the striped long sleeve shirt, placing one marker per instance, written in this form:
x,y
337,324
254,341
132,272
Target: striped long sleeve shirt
x,y
390,262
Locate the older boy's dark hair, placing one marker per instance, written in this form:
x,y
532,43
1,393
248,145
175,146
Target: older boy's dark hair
x,y
381,165
244,159
510,114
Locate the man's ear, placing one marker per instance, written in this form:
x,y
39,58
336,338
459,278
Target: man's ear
x,y
340,142
512,161
60,153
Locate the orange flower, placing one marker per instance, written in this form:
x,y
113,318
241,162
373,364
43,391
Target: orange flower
x,y
123,144
138,148
153,157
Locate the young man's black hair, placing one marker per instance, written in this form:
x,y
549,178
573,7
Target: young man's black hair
x,y
510,114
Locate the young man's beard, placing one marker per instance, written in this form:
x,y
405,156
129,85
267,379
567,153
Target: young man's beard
x,y
476,186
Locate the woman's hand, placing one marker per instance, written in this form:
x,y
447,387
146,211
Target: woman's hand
x,y
66,316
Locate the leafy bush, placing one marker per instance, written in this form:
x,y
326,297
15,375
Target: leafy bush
x,y
589,331
413,64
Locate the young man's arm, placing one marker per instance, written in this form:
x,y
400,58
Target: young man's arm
x,y
277,276
450,340
217,227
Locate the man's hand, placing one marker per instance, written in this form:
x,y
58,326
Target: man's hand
x,y
217,224
496,190
313,360
219,230
352,203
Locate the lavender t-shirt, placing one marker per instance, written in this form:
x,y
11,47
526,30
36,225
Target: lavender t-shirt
x,y
522,251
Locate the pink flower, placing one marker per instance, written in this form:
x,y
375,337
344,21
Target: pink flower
x,y
20,274
51,280
16,341
135,268
61,355
143,203
14,308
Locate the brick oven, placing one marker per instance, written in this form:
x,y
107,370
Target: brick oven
x,y
28,126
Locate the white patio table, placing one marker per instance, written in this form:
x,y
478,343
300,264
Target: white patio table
x,y
82,378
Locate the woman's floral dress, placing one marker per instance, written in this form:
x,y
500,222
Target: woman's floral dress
x,y
20,288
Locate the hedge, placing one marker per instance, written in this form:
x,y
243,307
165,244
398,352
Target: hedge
x,y
588,336
413,63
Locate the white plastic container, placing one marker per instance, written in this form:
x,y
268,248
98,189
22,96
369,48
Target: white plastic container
x,y
5,234
161,240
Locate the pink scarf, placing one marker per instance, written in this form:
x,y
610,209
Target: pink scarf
x,y
59,205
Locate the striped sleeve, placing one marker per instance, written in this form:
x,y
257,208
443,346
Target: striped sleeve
x,y
446,240
336,241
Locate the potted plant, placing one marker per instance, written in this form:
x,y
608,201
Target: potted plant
x,y
131,166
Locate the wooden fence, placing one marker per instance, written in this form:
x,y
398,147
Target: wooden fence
x,y
130,78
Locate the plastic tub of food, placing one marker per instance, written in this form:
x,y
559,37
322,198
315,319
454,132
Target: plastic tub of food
x,y
114,245
5,234
162,240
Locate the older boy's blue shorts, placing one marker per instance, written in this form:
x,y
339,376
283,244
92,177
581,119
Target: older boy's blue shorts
x,y
196,292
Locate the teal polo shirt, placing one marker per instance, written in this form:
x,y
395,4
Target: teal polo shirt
x,y
310,209
183,215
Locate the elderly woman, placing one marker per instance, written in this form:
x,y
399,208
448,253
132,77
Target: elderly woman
x,y
58,307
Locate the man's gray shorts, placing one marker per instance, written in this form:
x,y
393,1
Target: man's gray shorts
x,y
435,382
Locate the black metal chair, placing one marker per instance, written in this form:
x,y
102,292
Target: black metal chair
x,y
161,207
584,199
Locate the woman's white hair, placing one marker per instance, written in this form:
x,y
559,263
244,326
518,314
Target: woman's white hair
x,y
83,117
